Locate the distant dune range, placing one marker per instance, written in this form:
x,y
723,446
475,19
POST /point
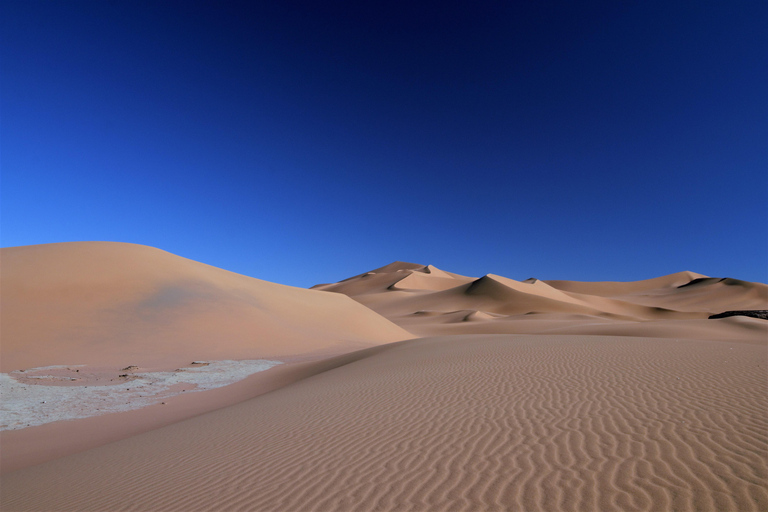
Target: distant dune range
x,y
445,392
428,301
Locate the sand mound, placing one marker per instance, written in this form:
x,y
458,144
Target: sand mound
x,y
613,288
418,281
457,423
641,308
397,276
117,304
515,297
707,295
479,316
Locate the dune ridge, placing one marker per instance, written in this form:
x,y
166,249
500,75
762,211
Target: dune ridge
x,y
613,288
402,291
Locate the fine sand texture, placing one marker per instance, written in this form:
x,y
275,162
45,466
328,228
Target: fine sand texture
x,y
473,422
110,319
403,388
115,304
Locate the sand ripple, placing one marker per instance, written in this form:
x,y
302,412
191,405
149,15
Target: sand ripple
x,y
457,423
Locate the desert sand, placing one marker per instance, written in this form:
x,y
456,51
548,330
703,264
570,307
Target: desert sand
x,y
403,388
428,301
103,304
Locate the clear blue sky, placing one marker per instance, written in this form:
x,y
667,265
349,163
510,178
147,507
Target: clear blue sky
x,y
304,142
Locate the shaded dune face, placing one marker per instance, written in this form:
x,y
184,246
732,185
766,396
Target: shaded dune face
x,y
427,301
120,304
535,423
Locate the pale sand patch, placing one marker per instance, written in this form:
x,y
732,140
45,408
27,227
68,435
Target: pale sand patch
x,y
26,403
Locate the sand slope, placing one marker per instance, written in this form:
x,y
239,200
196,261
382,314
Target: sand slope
x,y
428,301
93,309
456,423
626,398
123,304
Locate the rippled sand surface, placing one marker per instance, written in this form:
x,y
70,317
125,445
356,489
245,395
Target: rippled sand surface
x,y
494,422
405,388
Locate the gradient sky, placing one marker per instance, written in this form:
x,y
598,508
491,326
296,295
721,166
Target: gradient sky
x,y
304,142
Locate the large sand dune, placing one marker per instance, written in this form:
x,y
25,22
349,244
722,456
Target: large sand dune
x,y
521,395
122,304
78,314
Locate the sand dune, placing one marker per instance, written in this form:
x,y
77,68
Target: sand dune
x,y
123,304
456,423
672,306
397,276
521,395
706,294
612,288
684,291
82,312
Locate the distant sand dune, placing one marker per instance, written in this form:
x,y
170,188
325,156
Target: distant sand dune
x,y
457,423
613,288
672,306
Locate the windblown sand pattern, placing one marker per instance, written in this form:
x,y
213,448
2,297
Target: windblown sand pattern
x,y
483,422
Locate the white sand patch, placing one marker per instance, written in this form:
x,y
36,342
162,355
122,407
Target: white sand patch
x,y
25,405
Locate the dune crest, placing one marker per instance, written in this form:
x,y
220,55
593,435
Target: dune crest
x,y
400,290
119,304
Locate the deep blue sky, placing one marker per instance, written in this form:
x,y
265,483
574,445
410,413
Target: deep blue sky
x,y
304,142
